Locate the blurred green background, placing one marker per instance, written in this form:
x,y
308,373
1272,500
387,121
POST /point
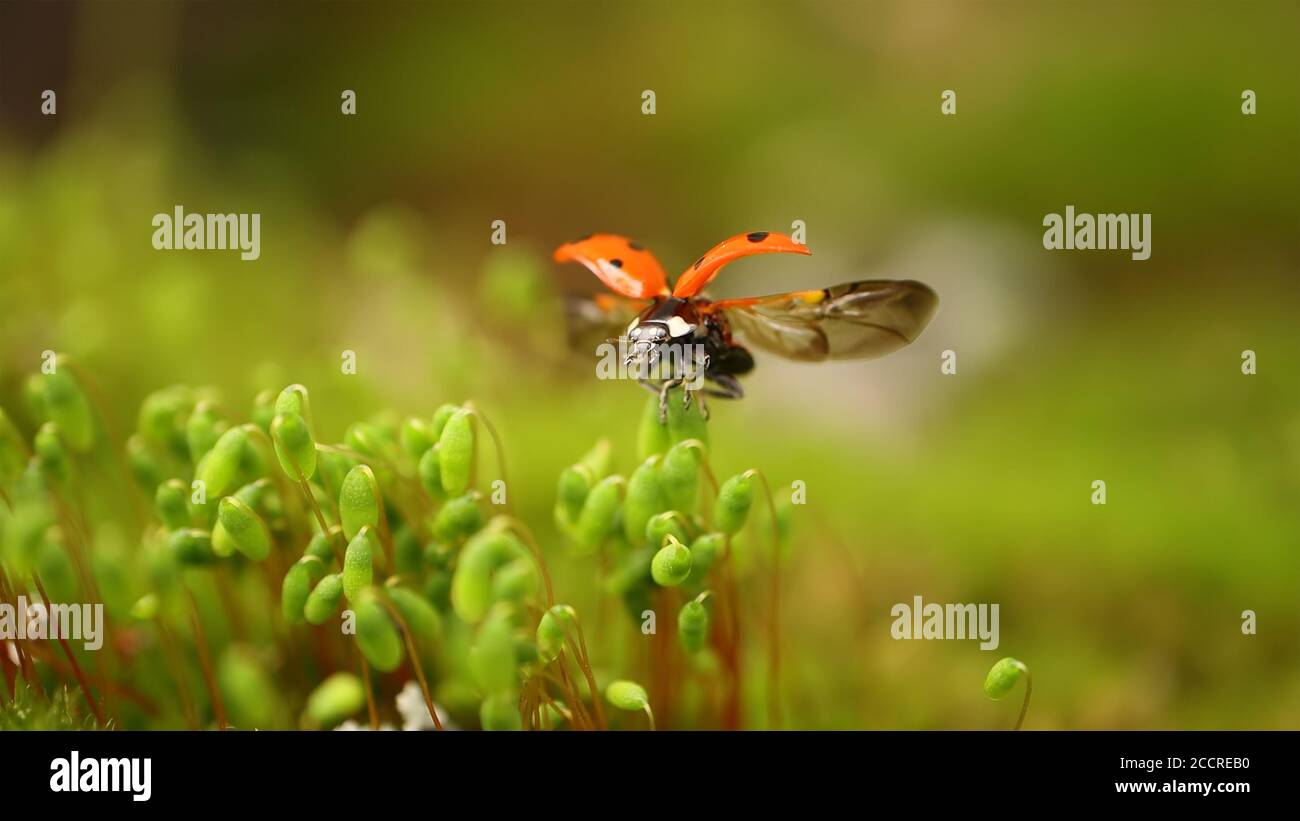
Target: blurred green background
x,y
972,487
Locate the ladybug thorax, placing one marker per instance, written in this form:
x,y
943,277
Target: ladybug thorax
x,y
667,320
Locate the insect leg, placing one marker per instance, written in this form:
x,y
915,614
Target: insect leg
x,y
728,387
668,385
704,406
688,393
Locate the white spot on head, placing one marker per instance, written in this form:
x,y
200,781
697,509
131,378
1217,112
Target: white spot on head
x,y
678,327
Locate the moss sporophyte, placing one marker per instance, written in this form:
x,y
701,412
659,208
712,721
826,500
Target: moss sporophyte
x,y
1002,679
280,580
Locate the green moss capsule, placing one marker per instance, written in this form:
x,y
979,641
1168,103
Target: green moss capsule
x,y
255,494
416,437
294,446
651,434
359,501
471,584
321,545
408,553
1003,677
456,453
377,636
671,565
632,572
525,650
255,462
388,427
358,564
686,423
430,470
515,581
570,493
784,524
599,515
293,400
438,555
261,498
627,695
263,411
223,547
218,468
297,586
55,568
161,415
458,518
51,454
642,499
365,438
500,713
203,428
552,629
145,608
693,626
437,589
420,616
201,511
731,508
66,405
246,528
333,467
34,398
336,698
144,465
471,591
24,531
192,546
663,525
599,460
440,418
325,599
170,500
492,659
251,696
679,476
704,551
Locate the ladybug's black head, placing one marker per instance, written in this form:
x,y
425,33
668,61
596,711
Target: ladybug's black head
x,y
665,323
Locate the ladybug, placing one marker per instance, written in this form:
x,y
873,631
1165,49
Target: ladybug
x,y
856,320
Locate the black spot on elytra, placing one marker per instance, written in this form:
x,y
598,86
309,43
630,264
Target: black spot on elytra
x,y
696,266
757,236
617,263
634,246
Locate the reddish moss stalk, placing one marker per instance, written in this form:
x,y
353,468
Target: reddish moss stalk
x,y
414,653
72,659
201,646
